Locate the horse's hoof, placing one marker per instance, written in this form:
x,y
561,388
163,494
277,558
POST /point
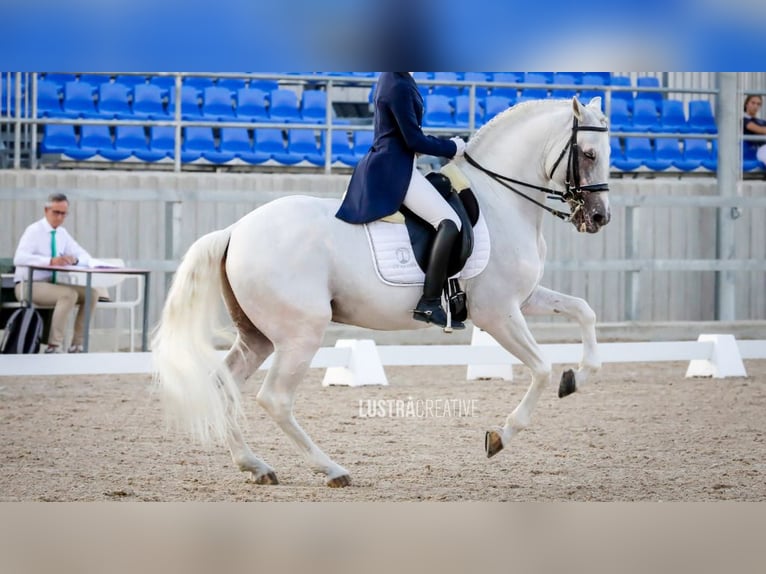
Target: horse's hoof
x,y
493,443
339,481
567,385
268,478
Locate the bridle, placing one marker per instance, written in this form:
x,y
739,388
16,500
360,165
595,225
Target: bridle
x,y
574,192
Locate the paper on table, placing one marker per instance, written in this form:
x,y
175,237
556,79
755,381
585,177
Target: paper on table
x,y
106,263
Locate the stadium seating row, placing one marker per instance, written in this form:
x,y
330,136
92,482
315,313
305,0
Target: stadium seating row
x,y
306,147
115,100
642,107
157,143
667,116
663,153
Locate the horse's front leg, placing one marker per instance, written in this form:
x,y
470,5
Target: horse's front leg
x,y
514,335
547,302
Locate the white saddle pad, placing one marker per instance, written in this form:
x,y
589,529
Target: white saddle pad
x,y
394,259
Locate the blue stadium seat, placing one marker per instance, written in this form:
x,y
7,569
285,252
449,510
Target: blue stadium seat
x,y
697,153
649,82
438,111
536,78
283,106
58,138
342,149
507,78
164,83
362,142
93,139
667,154
148,102
129,80
197,141
619,117
540,77
637,152
49,100
615,150
672,117
494,105
264,85
314,106
448,91
235,143
231,84
481,91
462,112
645,116
58,78
422,78
198,82
95,80
303,145
251,105
190,104
606,78
563,79
701,119
113,101
590,89
161,144
217,104
78,101
128,141
627,96
269,144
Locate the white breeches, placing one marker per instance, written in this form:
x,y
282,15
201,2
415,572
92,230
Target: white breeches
x,y
760,154
427,203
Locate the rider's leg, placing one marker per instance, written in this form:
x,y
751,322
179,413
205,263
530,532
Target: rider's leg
x,y
426,202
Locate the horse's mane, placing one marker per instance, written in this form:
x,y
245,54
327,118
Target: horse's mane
x,y
515,114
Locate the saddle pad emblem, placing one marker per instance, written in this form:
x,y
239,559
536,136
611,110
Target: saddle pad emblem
x,y
394,260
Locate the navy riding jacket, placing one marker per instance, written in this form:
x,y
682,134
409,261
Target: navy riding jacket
x,y
381,178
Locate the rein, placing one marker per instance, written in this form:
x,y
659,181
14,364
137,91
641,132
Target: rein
x,y
573,193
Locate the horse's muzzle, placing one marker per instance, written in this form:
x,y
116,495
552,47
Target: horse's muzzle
x,y
593,215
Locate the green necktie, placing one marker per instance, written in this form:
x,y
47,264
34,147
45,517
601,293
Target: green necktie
x,y
53,252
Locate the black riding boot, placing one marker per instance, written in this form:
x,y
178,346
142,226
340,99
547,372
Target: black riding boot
x,y
429,309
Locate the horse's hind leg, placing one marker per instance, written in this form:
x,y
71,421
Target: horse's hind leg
x,y
291,361
247,354
514,335
547,302
243,360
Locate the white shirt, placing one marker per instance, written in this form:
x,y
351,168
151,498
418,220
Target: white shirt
x,y
35,249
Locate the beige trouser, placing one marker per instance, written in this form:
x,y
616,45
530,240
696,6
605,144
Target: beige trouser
x,y
63,298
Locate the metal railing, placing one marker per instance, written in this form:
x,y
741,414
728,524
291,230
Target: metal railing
x,y
25,120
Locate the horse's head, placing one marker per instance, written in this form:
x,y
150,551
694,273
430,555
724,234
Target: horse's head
x,y
587,171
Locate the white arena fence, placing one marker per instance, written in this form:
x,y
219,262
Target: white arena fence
x,y
357,362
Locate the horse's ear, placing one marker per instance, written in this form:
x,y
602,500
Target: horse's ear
x,y
577,108
595,103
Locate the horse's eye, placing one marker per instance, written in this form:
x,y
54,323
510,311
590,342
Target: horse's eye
x,y
590,154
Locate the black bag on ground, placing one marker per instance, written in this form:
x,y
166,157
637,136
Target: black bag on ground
x,y
23,332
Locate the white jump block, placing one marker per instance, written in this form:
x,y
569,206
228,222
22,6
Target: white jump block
x,y
483,372
364,365
725,359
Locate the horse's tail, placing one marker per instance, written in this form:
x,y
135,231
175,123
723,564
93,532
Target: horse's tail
x,y
199,393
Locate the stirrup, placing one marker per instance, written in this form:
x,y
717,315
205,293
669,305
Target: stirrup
x,y
433,314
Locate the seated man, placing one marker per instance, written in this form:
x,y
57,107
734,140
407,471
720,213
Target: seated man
x,y
46,242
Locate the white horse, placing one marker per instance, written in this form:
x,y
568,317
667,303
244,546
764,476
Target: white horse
x,y
290,267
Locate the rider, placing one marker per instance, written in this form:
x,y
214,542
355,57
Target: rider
x,y
387,178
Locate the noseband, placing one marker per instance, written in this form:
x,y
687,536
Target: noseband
x,y
574,193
